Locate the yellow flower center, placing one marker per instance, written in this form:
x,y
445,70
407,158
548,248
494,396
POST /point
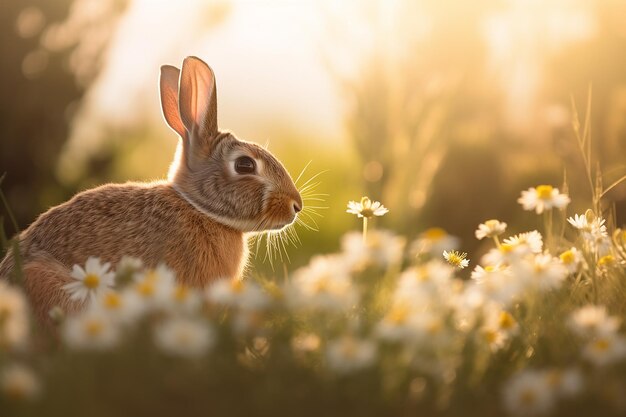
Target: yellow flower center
x,y
422,273
274,291
348,348
602,345
91,281
490,268
606,260
112,300
567,257
434,327
554,378
490,336
492,224
398,314
544,192
506,248
506,321
146,288
237,285
181,293
183,337
321,285
93,327
455,258
15,390
528,397
434,233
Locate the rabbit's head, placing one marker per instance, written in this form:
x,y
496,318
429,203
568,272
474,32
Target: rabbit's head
x,y
237,183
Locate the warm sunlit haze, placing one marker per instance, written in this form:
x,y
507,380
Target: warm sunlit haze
x,y
446,239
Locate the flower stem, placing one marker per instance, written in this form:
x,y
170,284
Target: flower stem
x,y
496,241
364,229
547,217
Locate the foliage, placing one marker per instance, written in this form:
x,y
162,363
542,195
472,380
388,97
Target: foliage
x,y
379,328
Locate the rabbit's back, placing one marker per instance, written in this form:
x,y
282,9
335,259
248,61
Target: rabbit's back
x,y
150,221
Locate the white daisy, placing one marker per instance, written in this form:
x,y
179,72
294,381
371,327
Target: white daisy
x,y
91,330
88,282
499,327
571,259
154,287
542,271
592,321
14,317
590,225
182,336
305,343
185,299
322,285
529,242
366,208
382,248
497,283
490,228
433,241
348,354
123,307
456,259
239,293
19,383
425,283
529,393
568,383
543,197
605,350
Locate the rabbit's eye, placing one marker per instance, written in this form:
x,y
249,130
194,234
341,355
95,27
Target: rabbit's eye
x,y
245,165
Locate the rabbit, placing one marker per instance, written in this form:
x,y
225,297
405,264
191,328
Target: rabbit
x,y
219,189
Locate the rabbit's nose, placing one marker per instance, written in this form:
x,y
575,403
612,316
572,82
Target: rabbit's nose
x,y
297,207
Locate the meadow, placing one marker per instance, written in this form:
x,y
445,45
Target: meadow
x,y
462,248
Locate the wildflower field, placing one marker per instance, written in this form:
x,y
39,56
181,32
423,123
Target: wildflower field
x,y
383,327
398,209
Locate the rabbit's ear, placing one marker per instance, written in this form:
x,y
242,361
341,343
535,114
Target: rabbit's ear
x,y
197,98
168,86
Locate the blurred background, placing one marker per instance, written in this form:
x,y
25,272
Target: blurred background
x,y
443,110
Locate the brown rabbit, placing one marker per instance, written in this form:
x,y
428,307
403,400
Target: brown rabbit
x,y
218,189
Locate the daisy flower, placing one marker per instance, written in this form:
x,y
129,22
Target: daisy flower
x,y
19,383
529,393
90,281
348,354
490,228
605,350
181,336
122,307
239,293
366,208
154,286
571,259
322,285
382,248
497,283
568,383
529,242
456,259
91,330
542,271
434,241
305,343
592,321
14,323
543,197
590,225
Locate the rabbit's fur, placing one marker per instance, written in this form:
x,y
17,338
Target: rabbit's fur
x,y
195,222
